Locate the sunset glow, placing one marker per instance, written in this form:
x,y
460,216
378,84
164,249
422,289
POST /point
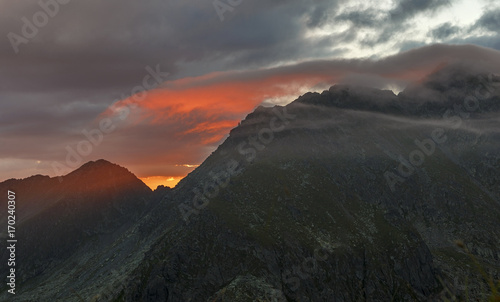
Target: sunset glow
x,y
154,181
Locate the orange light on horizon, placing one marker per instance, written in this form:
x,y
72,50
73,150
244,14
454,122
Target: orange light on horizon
x,y
168,181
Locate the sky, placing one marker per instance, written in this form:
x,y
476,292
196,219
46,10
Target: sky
x,y
156,86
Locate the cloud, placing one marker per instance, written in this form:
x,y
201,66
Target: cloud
x,y
406,9
444,31
366,18
98,45
490,21
389,23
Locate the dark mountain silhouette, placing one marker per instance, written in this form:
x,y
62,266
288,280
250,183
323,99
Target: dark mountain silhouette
x,y
353,194
56,217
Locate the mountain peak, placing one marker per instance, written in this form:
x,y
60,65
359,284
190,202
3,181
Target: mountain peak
x,y
99,165
101,174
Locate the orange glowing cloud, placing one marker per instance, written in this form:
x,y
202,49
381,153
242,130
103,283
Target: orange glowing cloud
x,y
208,107
194,115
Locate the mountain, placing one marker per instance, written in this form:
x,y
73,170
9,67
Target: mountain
x,y
56,217
346,195
329,181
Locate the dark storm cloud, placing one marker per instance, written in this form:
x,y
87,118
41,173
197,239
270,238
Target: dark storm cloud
x,y
490,21
321,13
87,45
444,31
366,18
406,9
398,19
94,44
